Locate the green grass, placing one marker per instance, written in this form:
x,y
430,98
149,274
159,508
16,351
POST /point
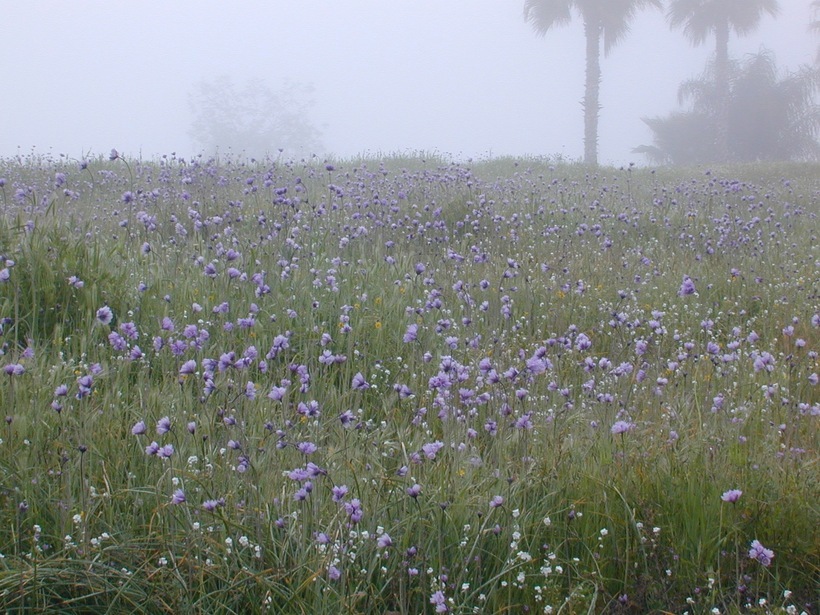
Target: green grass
x,y
518,255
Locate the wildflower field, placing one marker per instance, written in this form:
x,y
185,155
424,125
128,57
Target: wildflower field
x,y
408,386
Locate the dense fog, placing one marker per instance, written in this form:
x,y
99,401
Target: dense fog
x,y
464,78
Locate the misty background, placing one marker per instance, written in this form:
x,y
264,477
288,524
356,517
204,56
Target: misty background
x,y
463,78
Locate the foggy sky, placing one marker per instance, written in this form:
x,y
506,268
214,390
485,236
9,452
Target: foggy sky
x,y
464,78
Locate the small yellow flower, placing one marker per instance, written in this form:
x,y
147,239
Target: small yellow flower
x,y
378,324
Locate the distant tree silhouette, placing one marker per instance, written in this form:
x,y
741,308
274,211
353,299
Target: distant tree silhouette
x,y
701,19
769,117
252,120
606,20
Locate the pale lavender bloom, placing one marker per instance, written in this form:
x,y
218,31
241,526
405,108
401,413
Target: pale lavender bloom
x,y
763,361
384,541
163,425
105,315
166,451
76,282
152,449
622,427
250,390
731,496
117,341
582,342
761,553
333,573
187,368
432,448
496,501
411,334
61,391
359,383
139,428
414,491
687,287
178,497
14,369
354,510
339,492
307,448
4,275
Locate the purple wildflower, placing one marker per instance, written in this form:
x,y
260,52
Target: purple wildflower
x,y
687,287
432,448
620,427
163,425
411,334
761,553
105,315
439,600
339,492
178,497
731,496
359,383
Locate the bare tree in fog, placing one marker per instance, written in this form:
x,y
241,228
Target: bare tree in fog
x,y
701,19
603,19
770,116
252,120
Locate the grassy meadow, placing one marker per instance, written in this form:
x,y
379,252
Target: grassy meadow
x,y
408,386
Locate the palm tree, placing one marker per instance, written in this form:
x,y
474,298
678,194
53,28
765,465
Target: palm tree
x,y
772,116
701,19
603,19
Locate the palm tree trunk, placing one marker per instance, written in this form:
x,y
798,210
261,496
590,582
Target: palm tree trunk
x,y
592,32
722,90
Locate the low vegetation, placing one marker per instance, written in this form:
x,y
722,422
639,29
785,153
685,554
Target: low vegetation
x,y
407,386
